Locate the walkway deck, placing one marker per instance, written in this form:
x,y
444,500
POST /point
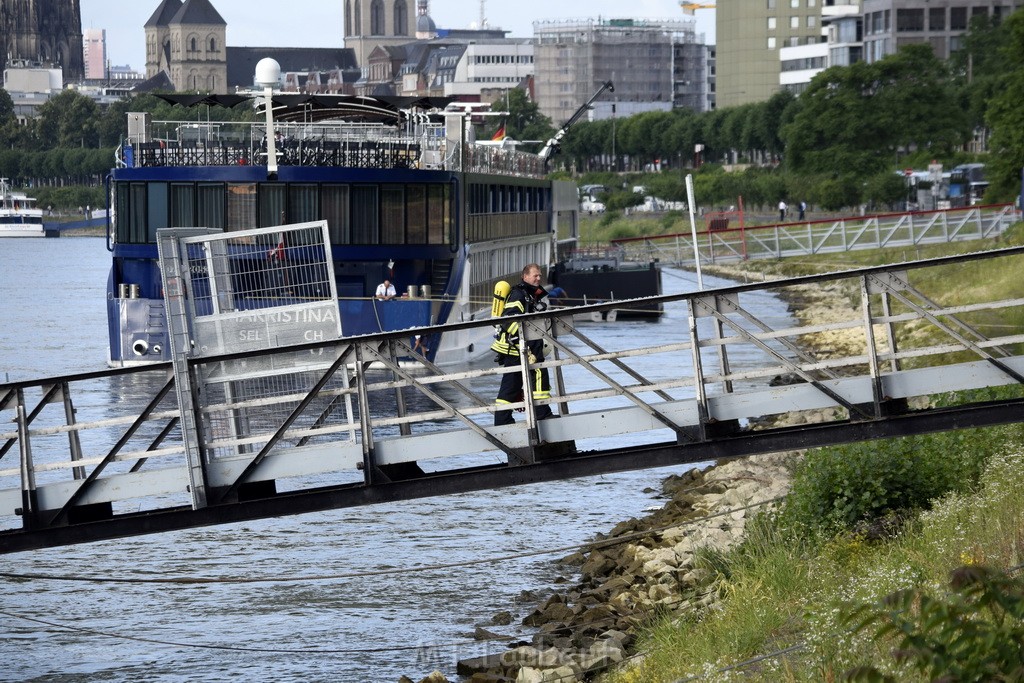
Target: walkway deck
x,y
348,422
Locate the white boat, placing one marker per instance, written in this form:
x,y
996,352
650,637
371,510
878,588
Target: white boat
x,y
19,216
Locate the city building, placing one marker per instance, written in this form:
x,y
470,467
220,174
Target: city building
x,y
891,24
186,50
498,64
799,64
303,69
44,33
29,86
693,75
94,46
879,28
840,45
749,37
574,57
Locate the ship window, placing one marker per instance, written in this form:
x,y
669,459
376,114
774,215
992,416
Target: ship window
x,y
210,205
241,206
334,210
392,214
437,206
183,199
303,203
416,208
131,202
272,205
477,198
364,215
137,222
156,210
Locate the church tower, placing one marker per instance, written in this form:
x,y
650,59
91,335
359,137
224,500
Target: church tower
x,y
188,41
369,23
199,55
158,38
44,31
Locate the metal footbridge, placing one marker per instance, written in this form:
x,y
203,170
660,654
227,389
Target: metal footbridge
x,y
907,230
315,422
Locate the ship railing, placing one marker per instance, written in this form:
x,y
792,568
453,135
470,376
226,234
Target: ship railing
x,y
490,159
343,153
322,144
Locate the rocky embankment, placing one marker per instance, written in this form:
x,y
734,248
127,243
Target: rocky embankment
x,y
646,567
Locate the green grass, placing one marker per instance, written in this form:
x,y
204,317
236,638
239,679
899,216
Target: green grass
x,y
787,594
780,589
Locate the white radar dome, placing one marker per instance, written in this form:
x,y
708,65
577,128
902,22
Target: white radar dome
x,y
268,72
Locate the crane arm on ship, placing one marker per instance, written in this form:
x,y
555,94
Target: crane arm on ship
x,y
552,145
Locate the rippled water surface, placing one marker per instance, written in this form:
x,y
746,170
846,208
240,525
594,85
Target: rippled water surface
x,y
305,598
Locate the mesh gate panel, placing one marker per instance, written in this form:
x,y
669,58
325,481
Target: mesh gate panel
x,y
260,290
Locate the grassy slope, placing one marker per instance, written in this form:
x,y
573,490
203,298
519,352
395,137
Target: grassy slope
x,y
778,595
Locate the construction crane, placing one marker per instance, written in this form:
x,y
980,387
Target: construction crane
x,y
690,7
552,145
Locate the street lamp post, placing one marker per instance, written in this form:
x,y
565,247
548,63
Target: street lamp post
x,y
615,165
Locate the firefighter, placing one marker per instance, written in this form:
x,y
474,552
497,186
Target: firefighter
x,y
525,297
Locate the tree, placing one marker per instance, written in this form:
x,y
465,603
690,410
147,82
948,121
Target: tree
x,y
887,187
856,119
978,66
68,120
1006,117
6,107
524,121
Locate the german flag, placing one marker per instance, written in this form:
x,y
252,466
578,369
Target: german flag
x,y
499,134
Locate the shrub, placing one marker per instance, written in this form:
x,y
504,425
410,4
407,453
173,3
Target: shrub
x,y
975,633
838,487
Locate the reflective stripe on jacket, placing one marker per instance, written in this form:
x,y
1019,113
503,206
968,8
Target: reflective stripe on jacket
x,y
506,341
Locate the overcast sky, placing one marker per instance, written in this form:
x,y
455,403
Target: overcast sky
x,y
318,23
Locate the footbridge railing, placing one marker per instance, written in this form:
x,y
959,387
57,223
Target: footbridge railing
x,y
830,236
101,455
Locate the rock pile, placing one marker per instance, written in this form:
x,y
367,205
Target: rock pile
x,y
642,568
645,567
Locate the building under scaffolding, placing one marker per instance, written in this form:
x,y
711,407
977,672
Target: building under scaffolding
x,y
574,57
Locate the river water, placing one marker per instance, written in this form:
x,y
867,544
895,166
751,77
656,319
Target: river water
x,y
306,623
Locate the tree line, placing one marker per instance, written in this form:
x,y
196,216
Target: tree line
x,y
835,145
839,142
72,140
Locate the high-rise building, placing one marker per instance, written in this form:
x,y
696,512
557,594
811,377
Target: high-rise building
x,y
749,36
94,45
45,33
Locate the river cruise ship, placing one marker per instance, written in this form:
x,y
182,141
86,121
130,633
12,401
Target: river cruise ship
x,y
406,193
19,216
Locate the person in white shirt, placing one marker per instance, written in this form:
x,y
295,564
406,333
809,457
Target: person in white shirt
x,y
385,291
782,210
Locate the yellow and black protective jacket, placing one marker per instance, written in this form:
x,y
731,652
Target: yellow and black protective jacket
x,y
524,298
